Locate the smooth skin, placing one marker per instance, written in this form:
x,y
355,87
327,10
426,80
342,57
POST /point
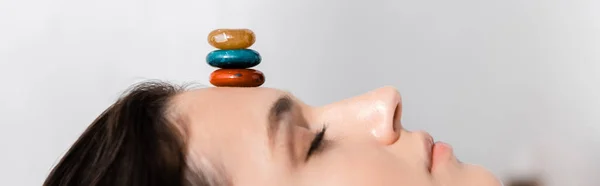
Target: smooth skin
x,y
238,135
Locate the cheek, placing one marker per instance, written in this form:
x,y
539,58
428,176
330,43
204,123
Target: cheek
x,y
359,166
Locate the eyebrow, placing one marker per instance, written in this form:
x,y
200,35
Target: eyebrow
x,y
283,105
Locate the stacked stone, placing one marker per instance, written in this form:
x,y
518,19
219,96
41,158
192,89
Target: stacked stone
x,y
234,58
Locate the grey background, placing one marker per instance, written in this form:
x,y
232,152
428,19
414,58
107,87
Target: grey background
x,y
490,77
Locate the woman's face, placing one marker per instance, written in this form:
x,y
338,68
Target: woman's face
x,y
265,136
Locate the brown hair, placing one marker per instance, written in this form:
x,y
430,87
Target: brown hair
x,y
132,143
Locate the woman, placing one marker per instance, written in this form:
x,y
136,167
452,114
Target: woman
x,y
159,134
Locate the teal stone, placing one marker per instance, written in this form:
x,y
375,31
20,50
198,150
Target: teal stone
x,y
231,59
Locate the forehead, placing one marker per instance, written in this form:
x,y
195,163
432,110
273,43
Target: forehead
x,y
227,107
232,95
220,117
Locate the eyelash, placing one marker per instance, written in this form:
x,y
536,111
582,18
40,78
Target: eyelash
x,y
317,143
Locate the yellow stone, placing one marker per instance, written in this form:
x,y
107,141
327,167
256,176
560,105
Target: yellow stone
x,y
229,39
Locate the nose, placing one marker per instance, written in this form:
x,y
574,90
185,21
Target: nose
x,y
375,114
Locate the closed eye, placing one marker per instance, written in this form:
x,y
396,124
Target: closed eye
x,y
317,143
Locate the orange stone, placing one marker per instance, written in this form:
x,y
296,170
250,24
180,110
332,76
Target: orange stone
x,y
237,78
229,39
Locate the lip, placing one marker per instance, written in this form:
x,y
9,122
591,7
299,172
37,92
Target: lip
x,y
441,152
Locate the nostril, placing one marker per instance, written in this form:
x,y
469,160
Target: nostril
x,y
397,117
